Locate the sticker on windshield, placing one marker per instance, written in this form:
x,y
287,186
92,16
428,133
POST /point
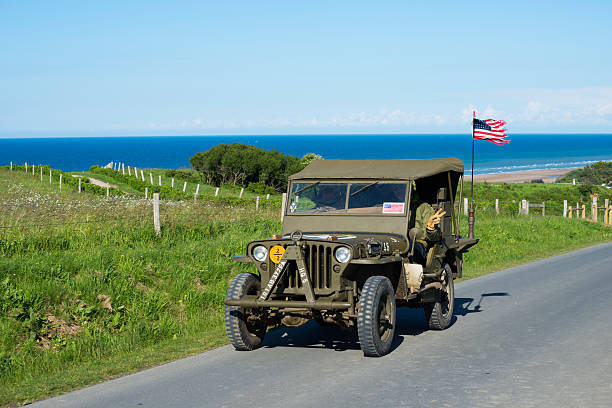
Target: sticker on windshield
x,y
293,207
393,208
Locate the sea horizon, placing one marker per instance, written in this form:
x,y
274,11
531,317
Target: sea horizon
x,y
526,151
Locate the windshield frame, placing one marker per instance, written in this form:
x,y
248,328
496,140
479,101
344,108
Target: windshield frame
x,y
349,183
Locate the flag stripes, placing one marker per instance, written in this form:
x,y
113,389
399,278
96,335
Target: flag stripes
x,y
491,130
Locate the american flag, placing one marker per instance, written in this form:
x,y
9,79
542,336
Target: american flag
x,y
491,130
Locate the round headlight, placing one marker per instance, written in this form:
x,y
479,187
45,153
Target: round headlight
x,y
260,253
343,254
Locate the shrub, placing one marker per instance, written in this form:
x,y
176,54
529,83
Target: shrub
x,y
240,164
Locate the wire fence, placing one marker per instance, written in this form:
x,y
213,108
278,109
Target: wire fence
x,y
17,211
593,211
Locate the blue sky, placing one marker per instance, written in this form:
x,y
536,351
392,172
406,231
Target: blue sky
x,y
182,68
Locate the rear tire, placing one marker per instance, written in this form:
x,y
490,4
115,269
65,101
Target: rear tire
x,y
376,316
244,334
439,314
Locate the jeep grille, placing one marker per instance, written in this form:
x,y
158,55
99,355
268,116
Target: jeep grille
x,y
319,264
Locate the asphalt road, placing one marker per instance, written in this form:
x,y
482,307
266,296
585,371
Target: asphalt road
x,y
537,335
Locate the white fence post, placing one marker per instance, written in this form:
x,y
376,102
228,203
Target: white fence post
x,y
217,192
60,182
146,192
241,191
564,208
497,206
79,185
50,177
156,220
197,189
26,166
465,206
11,166
123,168
283,205
172,185
33,169
257,203
525,207
184,186
151,177
159,180
40,173
594,209
129,171
267,196
142,175
107,191
574,182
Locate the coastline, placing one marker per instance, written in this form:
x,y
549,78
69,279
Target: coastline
x,y
548,176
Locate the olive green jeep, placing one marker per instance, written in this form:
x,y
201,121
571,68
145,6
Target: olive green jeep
x,y
346,254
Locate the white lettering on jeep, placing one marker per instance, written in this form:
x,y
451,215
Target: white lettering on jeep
x,y
303,276
273,278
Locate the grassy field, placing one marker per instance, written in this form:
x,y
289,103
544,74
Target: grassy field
x,y
552,195
88,291
205,190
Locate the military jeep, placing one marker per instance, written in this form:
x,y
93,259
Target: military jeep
x,y
346,254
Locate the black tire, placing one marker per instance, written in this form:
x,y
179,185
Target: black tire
x,y
244,335
439,314
376,316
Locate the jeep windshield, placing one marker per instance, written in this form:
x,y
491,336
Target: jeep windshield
x,y
347,198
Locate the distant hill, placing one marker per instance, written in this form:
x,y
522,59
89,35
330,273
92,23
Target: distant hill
x,y
598,173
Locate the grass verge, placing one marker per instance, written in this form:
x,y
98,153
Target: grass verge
x,y
89,292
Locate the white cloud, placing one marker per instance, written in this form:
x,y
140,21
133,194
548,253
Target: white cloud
x,y
524,110
546,107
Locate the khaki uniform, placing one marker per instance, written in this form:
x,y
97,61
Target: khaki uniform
x,y
419,218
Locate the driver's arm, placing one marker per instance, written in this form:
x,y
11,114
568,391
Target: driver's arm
x,y
423,213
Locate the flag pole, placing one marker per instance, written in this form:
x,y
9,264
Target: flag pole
x,y
471,214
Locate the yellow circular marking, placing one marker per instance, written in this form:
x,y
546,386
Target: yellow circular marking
x,y
276,253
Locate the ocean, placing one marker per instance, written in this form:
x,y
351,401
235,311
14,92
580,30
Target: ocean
x,y
525,151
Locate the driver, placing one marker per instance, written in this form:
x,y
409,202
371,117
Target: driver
x,y
428,221
327,200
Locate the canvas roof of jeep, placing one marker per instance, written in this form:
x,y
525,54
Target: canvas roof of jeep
x,y
378,169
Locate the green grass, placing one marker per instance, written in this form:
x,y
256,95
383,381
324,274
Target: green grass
x,y
190,188
107,179
508,240
553,195
66,259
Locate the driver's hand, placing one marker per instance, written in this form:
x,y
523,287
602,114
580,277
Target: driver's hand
x,y
435,219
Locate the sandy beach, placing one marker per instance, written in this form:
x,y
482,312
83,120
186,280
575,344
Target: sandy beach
x,y
549,176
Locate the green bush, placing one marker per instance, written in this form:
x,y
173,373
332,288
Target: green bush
x,y
190,176
261,188
240,164
598,173
165,192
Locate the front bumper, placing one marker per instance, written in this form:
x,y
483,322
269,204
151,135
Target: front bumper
x,y
252,301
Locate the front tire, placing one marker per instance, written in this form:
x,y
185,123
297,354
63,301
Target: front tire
x,y
376,316
243,331
439,314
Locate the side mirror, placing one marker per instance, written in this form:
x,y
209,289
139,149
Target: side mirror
x,y
442,194
413,233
